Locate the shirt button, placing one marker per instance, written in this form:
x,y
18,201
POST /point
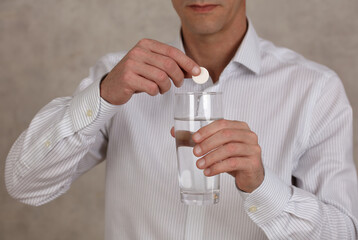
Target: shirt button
x,y
252,209
89,113
47,143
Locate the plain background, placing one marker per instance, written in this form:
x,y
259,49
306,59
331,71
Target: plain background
x,y
47,47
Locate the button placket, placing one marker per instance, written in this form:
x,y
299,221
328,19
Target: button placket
x,y
47,143
252,209
89,113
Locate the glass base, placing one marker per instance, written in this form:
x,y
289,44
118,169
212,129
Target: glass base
x,y
199,199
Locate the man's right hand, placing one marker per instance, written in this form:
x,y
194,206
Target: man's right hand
x,y
147,67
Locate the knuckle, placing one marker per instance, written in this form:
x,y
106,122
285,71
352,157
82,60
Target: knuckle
x,y
257,150
162,76
130,55
226,133
171,51
188,64
222,123
253,136
177,81
143,42
129,63
153,89
167,88
134,52
169,64
233,163
244,125
127,91
231,148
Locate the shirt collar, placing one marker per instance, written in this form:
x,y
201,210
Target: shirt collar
x,y
248,54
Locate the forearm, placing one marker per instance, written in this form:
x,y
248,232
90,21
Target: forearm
x,y
64,140
50,176
44,159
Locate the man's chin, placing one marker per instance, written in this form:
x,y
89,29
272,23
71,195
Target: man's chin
x,y
204,29
203,26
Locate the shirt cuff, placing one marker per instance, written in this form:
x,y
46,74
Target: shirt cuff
x,y
268,200
89,112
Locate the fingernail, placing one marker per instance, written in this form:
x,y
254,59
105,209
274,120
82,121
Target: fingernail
x,y
207,171
196,137
196,71
201,163
197,150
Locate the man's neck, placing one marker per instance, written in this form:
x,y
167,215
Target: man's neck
x,y
215,51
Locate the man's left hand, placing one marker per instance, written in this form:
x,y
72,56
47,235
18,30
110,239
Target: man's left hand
x,y
230,146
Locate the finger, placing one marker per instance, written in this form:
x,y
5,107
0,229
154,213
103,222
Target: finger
x,y
168,65
138,83
154,74
226,151
228,165
216,126
222,137
186,63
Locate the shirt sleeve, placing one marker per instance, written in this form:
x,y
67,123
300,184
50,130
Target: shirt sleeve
x,y
65,139
322,204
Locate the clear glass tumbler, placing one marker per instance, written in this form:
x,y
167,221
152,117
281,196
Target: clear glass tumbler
x,y
194,110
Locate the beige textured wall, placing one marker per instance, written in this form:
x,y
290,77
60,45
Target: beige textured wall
x,y
46,48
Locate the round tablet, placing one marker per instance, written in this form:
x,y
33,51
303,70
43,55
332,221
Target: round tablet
x,y
203,77
185,179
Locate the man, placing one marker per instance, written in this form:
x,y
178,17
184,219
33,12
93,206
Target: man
x,y
286,140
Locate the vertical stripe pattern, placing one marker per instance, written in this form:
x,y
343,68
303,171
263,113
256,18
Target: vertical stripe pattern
x,y
297,108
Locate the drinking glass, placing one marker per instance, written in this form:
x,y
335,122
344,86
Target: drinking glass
x,y
194,110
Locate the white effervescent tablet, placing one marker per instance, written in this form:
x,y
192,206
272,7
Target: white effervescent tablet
x,y
185,179
210,181
203,77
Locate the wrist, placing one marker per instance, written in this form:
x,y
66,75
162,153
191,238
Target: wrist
x,y
102,89
248,186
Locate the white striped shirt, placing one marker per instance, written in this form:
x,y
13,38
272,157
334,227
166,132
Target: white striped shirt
x,y
298,109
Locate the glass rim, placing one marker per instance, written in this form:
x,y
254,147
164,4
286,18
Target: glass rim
x,y
198,93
